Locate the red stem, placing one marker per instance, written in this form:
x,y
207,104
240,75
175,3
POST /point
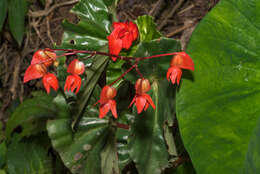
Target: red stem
x,y
122,75
122,126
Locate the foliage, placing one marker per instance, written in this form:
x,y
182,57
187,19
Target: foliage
x,y
216,106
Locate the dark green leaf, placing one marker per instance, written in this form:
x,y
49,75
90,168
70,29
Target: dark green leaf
x,y
148,148
3,150
30,115
3,10
218,104
23,158
80,151
16,18
92,29
93,74
147,29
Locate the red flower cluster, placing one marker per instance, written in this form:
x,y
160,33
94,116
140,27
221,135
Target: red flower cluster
x,y
141,99
73,81
121,37
180,61
41,60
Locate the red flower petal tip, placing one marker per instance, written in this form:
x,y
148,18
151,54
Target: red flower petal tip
x,y
44,56
122,36
50,81
182,60
76,67
34,72
174,73
72,82
141,99
106,101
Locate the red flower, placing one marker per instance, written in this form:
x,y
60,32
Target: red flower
x,y
50,81
72,82
141,99
76,67
34,72
43,56
180,61
121,37
106,101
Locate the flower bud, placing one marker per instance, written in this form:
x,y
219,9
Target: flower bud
x,y
45,57
177,60
41,68
107,93
76,67
142,86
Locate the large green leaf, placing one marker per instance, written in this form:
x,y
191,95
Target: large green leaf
x,y
17,10
218,105
80,151
3,10
93,26
252,163
3,150
30,115
28,158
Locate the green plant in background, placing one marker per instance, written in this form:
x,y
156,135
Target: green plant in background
x,y
216,106
16,10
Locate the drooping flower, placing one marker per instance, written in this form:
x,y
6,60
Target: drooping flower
x,y
122,36
180,61
72,82
34,72
45,57
106,101
76,67
49,80
141,99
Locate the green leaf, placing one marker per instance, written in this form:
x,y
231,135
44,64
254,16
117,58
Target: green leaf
x,y
93,74
156,67
218,104
92,29
16,18
148,148
28,158
80,151
3,10
3,150
252,163
31,114
109,158
147,28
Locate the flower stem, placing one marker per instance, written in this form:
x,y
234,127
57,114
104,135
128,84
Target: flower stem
x,y
122,126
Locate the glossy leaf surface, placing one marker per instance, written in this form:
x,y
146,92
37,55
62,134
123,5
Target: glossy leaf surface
x,y
218,105
91,30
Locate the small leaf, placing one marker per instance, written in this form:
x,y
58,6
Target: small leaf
x,y
16,18
147,28
3,150
3,10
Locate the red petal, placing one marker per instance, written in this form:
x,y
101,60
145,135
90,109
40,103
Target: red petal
x,y
184,61
115,46
72,82
42,56
50,80
119,25
76,67
68,83
169,73
103,110
107,93
113,107
133,29
149,99
132,102
140,103
146,106
34,72
127,41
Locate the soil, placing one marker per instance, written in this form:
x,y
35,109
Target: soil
x,y
175,19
